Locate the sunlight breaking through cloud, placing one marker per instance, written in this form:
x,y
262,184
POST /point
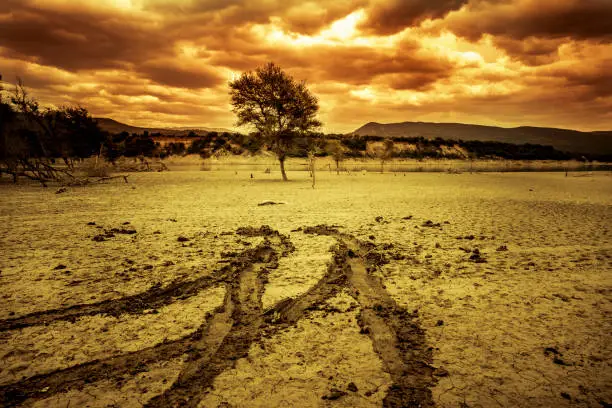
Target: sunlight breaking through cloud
x,y
444,56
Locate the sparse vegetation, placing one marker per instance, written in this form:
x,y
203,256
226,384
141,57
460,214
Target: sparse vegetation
x,y
35,138
44,144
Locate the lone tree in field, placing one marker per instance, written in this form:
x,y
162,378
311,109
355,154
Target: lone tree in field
x,y
337,152
386,153
280,108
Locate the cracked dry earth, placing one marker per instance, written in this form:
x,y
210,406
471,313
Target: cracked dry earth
x,y
230,329
376,290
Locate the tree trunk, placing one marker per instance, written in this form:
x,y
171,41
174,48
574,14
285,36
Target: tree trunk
x,y
282,167
311,159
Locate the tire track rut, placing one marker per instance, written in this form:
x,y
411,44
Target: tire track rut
x,y
156,297
228,335
242,305
227,340
395,333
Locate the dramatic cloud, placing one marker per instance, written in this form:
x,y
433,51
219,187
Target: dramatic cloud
x,y
521,19
180,74
78,37
391,16
168,62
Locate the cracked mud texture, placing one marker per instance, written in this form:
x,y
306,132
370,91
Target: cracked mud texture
x,y
369,294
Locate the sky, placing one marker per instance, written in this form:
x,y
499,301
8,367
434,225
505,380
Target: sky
x,y
165,63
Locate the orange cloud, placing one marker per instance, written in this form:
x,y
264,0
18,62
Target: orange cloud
x,y
167,62
391,16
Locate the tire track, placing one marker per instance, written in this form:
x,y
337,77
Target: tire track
x,y
222,335
156,297
395,333
289,311
227,341
228,335
113,368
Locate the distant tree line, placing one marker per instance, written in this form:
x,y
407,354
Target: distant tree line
x,y
351,146
43,143
422,148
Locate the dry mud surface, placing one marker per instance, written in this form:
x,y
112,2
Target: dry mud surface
x,y
393,290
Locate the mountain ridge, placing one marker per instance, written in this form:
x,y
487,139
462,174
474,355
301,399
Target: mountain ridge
x,y
114,126
575,141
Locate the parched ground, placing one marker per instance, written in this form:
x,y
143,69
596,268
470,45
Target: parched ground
x,y
395,290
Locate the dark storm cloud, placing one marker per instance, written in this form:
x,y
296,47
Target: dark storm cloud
x,y
391,16
76,38
520,19
351,64
416,81
588,81
177,74
361,65
531,51
305,17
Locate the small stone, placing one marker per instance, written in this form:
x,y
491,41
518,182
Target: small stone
x,y
182,239
430,224
334,394
352,387
60,266
441,372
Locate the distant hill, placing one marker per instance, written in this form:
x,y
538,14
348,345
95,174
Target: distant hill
x,y
112,126
597,143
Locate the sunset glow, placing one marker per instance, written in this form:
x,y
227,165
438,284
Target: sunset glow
x,y
167,63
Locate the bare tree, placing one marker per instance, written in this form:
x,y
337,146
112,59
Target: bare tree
x,y
280,108
315,144
32,138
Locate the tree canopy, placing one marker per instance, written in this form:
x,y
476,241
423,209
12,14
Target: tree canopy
x,y
279,107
